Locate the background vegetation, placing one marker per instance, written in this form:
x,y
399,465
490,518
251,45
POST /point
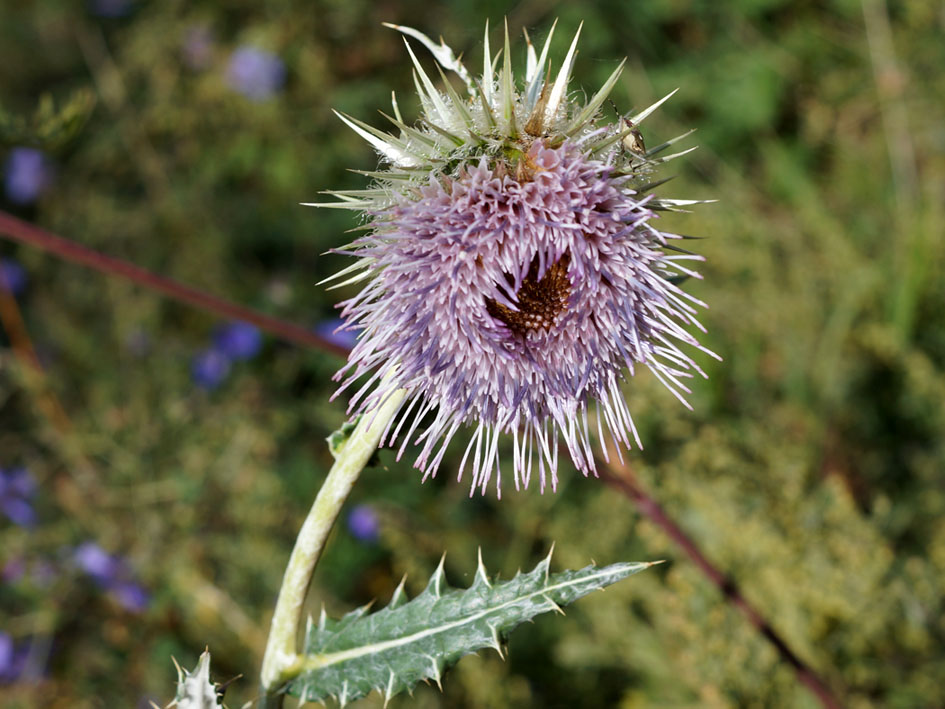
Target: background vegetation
x,y
155,474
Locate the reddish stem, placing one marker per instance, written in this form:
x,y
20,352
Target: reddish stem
x,y
621,477
26,233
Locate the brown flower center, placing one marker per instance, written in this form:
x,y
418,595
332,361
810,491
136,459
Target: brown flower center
x,y
540,301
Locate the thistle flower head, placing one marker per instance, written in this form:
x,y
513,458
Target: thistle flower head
x,y
513,271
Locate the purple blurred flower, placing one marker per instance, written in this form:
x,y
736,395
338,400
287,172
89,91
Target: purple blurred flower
x,y
508,302
238,340
198,48
515,274
16,488
6,650
255,73
12,658
27,174
363,523
131,596
13,570
334,330
12,276
110,8
111,574
209,368
97,563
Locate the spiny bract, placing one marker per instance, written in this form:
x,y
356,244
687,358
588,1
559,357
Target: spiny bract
x,y
512,268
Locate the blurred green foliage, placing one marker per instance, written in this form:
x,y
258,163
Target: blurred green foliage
x,y
50,126
811,466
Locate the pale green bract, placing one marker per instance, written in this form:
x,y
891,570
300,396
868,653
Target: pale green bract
x,y
194,689
337,440
408,641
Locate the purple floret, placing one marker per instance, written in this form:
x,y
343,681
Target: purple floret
x,y
12,658
17,487
335,331
238,340
13,570
255,73
209,368
97,563
27,174
132,596
363,523
110,8
12,276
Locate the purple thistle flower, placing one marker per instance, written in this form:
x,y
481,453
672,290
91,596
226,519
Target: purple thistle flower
x,y
514,272
27,174
209,368
12,276
238,340
6,650
364,524
255,73
16,488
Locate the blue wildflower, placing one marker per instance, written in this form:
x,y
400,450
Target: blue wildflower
x,y
336,331
27,174
12,276
110,8
16,488
238,340
209,368
12,659
110,573
255,73
131,596
97,563
364,524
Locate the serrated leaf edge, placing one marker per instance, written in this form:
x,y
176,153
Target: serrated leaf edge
x,y
310,663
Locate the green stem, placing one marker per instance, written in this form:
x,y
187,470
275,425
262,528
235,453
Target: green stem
x,y
281,657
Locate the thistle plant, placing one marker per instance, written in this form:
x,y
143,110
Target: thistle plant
x,y
514,270
513,273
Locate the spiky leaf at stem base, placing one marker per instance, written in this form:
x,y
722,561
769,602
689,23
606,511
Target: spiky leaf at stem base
x,y
408,641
